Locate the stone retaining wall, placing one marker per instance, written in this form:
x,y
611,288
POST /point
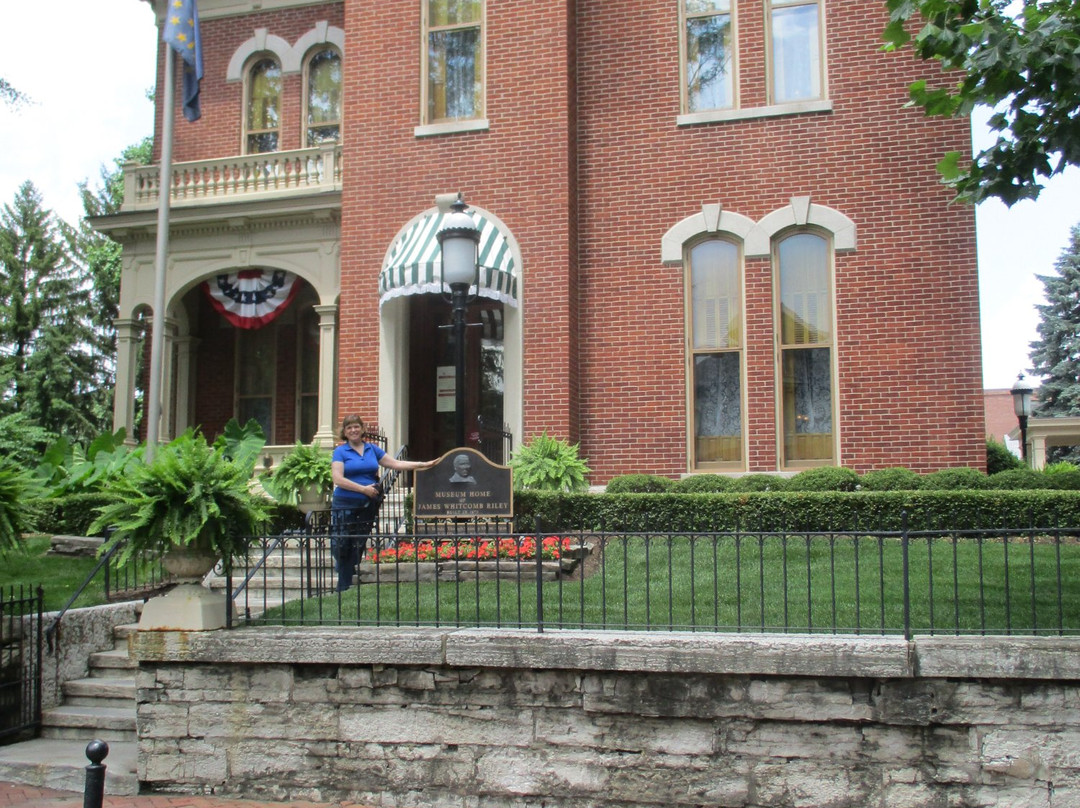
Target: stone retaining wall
x,y
483,718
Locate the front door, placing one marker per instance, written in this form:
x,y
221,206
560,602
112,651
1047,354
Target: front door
x,y
432,418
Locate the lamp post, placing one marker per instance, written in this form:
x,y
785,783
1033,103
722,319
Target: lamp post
x,y
1021,396
458,240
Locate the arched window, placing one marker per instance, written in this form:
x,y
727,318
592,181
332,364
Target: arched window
x,y
804,288
323,97
453,60
715,310
262,124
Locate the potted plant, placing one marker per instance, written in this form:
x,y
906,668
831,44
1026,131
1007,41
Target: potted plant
x,y
192,506
303,478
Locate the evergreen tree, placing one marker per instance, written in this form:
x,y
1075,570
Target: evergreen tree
x,y
1056,354
45,327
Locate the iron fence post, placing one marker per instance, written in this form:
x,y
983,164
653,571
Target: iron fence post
x,y
94,790
539,578
907,576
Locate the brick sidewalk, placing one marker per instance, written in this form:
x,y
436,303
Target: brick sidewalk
x,y
13,795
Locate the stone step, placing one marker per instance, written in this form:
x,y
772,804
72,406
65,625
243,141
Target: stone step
x,y
100,692
87,722
61,764
108,663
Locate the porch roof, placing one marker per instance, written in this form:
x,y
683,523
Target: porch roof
x,y
414,263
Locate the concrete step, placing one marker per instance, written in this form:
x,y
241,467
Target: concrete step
x,y
100,692
61,764
87,722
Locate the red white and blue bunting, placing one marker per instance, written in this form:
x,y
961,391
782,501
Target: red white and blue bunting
x,y
252,298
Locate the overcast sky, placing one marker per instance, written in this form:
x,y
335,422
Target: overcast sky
x,y
90,102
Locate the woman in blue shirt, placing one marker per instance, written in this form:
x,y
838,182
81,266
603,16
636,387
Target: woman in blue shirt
x,y
355,505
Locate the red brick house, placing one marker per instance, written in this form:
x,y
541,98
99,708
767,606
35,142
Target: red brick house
x,y
714,239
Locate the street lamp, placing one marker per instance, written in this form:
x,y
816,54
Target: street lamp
x,y
1021,396
458,240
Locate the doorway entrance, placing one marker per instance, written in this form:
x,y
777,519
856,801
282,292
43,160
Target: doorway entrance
x,y
432,360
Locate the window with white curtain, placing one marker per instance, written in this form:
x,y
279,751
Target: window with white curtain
x,y
715,313
795,45
804,288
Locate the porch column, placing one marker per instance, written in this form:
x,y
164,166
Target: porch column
x,y
1037,451
129,334
326,435
186,347
167,430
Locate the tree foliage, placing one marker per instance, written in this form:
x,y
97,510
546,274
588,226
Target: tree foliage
x,y
1024,64
11,96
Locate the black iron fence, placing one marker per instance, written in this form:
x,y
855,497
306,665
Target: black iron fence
x,y
21,644
484,574
494,440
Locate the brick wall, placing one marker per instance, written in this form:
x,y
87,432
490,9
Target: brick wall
x,y
585,165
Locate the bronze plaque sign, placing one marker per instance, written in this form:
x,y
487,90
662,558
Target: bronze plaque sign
x,y
463,483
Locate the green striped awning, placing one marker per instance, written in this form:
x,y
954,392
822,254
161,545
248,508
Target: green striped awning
x,y
414,263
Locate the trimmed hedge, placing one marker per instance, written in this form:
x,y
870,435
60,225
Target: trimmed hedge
x,y
799,511
639,484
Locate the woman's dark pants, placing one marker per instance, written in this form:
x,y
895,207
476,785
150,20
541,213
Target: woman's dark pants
x,y
349,530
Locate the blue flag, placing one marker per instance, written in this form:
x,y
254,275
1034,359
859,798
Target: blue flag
x,y
182,35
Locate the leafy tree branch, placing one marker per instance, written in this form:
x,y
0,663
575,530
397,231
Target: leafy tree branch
x,y
1020,58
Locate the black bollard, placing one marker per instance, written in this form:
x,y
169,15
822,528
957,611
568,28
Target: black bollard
x,y
94,793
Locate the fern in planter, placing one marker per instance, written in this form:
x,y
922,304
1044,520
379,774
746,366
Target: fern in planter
x,y
549,464
305,467
192,495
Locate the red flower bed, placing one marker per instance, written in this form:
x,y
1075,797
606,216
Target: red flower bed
x,y
515,548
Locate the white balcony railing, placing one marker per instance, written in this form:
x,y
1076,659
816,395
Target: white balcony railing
x,y
236,179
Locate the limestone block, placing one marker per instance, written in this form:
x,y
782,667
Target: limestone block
x,y
675,780
190,762
532,772
788,740
271,682
806,655
252,719
892,745
910,795
418,725
324,645
416,680
573,729
278,760
1030,753
1053,658
162,720
953,753
997,796
814,783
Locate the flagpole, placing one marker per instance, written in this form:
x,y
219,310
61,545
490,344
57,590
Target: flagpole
x,y
161,255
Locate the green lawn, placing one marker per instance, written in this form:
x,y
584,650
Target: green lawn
x,y
754,584
59,576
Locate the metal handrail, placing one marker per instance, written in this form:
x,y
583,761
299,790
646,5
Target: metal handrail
x,y
103,561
